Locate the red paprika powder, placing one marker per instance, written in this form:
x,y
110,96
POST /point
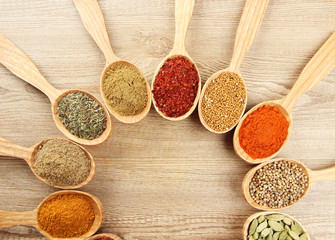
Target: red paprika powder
x,y
176,86
263,132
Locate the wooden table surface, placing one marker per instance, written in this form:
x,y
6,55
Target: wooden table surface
x,y
159,179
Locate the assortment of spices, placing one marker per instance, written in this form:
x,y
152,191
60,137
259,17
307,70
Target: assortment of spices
x,y
81,115
66,216
263,132
62,163
125,89
276,227
224,101
278,184
175,87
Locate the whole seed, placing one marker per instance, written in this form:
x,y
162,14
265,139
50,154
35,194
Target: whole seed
x,y
274,227
223,101
278,184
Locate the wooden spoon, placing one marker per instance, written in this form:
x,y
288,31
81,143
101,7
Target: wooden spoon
x,y
91,15
251,19
109,235
183,14
316,70
9,218
313,177
20,65
10,149
256,215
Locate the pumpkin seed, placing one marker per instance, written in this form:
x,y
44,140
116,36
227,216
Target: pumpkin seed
x,y
287,221
275,217
256,235
265,232
276,236
262,226
261,218
283,235
294,235
275,226
253,226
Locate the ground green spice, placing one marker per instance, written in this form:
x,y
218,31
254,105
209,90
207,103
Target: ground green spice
x,y
224,101
62,163
81,115
125,89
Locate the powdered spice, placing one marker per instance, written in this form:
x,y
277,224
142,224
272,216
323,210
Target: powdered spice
x,y
66,216
125,89
175,87
223,101
62,163
263,132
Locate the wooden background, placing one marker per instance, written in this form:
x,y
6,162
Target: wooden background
x,y
159,179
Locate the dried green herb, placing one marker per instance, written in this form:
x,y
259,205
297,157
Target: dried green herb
x,y
81,115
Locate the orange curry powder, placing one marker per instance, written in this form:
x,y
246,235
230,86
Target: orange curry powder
x,y
263,132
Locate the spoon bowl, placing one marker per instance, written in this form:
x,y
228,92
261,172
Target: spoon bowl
x,y
109,235
22,66
8,148
256,215
201,116
92,17
121,118
183,14
189,112
316,70
251,19
312,176
8,218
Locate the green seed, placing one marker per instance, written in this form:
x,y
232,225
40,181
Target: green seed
x,y
287,228
276,236
287,221
261,219
288,238
251,238
283,235
275,226
304,236
253,226
275,217
262,226
256,235
294,235
265,232
296,228
270,236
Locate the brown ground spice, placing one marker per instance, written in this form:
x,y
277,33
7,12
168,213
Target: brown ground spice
x,y
224,101
125,89
66,216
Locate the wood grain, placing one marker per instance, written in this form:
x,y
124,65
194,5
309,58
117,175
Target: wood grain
x,y
159,179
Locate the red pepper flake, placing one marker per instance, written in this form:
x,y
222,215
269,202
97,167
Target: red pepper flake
x,y
176,86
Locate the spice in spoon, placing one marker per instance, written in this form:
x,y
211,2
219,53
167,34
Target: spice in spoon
x,y
81,115
175,87
62,163
125,89
263,132
276,227
66,216
224,101
278,184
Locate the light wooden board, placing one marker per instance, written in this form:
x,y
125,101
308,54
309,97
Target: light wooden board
x,y
159,179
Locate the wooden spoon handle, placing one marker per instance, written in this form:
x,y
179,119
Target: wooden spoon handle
x,y
8,219
10,149
21,65
251,19
183,14
315,70
91,15
322,175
